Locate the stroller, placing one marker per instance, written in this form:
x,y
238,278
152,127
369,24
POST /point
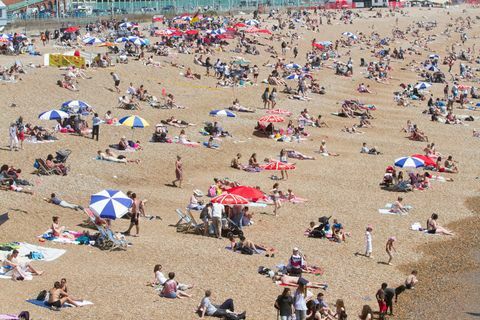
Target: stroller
x,y
319,232
62,155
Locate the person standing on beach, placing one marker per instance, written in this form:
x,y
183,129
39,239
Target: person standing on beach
x,y
96,126
116,81
178,172
135,215
390,248
382,305
12,133
368,242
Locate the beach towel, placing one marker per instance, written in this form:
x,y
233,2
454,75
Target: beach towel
x,y
47,235
260,251
43,304
7,274
49,254
8,317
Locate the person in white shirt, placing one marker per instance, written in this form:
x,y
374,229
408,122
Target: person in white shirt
x,y
217,213
12,133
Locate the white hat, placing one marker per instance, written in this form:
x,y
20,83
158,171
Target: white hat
x,y
198,193
295,249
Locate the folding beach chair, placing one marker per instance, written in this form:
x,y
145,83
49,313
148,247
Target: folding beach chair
x,y
107,239
183,219
43,169
193,225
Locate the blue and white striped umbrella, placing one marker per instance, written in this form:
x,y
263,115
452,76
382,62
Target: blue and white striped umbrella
x,y
110,204
478,104
138,41
126,25
252,22
218,31
293,66
431,67
434,56
350,35
76,106
222,113
92,40
121,39
409,162
53,115
423,85
293,76
6,37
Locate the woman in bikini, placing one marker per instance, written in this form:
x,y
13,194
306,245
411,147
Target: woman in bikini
x,y
434,228
275,195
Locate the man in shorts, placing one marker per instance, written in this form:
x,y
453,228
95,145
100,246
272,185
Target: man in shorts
x,y
116,81
134,220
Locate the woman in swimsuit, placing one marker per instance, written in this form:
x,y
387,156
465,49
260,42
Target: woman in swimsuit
x,y
434,228
275,195
284,159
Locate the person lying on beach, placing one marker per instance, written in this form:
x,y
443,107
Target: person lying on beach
x,y
19,269
12,186
291,153
324,151
170,289
246,246
59,202
368,150
172,121
295,281
237,107
224,311
58,297
108,155
434,228
182,139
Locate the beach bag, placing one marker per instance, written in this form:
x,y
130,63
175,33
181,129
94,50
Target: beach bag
x,y
246,250
42,295
212,191
36,165
34,255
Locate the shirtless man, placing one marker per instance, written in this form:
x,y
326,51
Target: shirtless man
x,y
134,221
390,248
58,297
294,281
19,270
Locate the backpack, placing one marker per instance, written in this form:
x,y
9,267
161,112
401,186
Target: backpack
x,y
41,296
246,250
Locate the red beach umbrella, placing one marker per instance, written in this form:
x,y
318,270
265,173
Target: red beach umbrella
x,y
428,161
271,118
279,111
278,166
229,199
247,192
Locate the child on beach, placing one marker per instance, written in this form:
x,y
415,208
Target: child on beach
x,y
368,242
389,248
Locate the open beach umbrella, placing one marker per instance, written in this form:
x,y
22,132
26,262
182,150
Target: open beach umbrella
x,y
478,104
463,87
53,115
293,66
426,160
71,29
350,35
240,25
191,32
409,162
121,39
279,111
431,67
5,37
92,40
133,122
434,56
271,118
293,76
222,113
126,25
75,106
252,22
277,166
229,199
252,194
423,85
110,204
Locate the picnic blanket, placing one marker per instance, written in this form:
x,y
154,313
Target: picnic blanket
x,y
49,254
64,238
43,304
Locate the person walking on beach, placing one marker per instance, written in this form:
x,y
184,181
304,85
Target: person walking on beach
x,y
390,248
135,216
12,134
116,81
300,303
96,126
178,172
368,242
